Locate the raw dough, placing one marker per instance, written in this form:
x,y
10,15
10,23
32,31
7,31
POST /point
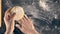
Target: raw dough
x,y
19,12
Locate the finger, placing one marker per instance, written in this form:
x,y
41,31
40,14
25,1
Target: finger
x,y
18,26
26,22
12,16
19,23
23,20
8,16
28,19
7,13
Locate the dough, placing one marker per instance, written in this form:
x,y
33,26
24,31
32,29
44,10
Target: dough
x,y
19,12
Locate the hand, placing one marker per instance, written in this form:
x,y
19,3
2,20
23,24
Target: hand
x,y
9,22
26,26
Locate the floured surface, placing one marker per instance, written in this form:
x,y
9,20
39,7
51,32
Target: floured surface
x,y
40,17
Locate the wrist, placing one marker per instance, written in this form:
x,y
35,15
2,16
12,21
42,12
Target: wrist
x,y
31,32
34,32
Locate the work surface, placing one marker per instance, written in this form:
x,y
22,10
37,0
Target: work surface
x,y
47,21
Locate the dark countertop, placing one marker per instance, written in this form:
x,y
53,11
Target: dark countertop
x,y
44,21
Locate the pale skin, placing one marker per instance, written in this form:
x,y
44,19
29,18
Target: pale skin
x,y
9,22
25,24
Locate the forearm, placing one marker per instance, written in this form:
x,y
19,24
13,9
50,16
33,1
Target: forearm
x,y
31,32
34,32
10,28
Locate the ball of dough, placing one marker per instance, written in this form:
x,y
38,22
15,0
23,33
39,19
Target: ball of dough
x,y
19,12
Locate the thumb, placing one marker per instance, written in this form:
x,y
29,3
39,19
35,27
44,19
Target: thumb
x,y
13,15
18,26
